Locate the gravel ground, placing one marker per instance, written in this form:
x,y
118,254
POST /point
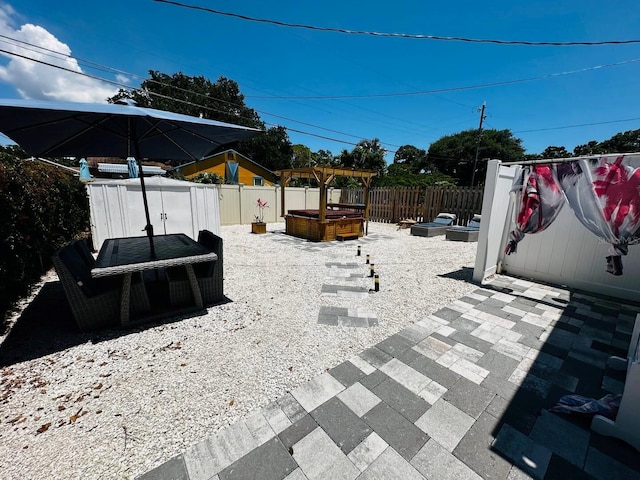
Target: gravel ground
x,y
116,404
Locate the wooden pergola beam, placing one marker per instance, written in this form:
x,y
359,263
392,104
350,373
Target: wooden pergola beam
x,y
324,176
283,184
315,172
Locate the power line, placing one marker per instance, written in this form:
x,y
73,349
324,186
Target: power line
x,y
66,55
424,92
450,89
579,125
94,77
126,86
60,67
397,35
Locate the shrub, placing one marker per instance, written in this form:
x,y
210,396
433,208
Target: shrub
x,y
41,209
207,177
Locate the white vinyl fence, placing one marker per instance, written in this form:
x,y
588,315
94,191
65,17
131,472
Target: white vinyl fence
x,y
238,203
566,253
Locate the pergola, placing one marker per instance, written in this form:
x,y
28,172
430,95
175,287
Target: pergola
x,y
325,176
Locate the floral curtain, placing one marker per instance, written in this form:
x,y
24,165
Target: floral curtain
x,y
538,202
603,193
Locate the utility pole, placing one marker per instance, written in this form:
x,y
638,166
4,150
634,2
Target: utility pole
x,y
475,160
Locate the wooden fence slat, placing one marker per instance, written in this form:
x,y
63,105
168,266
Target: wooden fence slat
x,y
390,205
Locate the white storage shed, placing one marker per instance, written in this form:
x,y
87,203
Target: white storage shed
x,y
175,206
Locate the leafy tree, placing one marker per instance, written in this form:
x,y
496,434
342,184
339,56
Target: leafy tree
x,y
302,156
325,158
555,152
415,158
220,100
589,148
367,155
623,142
272,149
401,175
194,96
454,154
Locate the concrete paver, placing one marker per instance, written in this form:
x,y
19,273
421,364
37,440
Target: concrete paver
x,y
461,394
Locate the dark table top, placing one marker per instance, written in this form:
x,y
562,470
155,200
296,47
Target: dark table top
x,y
131,254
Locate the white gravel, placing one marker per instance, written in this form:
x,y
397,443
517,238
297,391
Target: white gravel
x,y
116,404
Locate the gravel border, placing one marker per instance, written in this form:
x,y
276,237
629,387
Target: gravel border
x,y
116,404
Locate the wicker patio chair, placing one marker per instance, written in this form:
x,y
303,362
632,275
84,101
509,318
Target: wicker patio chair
x,y
208,274
83,249
95,302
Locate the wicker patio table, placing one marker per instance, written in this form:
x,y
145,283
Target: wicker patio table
x,y
132,254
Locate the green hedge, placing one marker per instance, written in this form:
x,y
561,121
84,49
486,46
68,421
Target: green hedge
x,y
41,208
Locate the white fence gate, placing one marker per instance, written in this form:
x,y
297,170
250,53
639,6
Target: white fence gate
x,y
566,253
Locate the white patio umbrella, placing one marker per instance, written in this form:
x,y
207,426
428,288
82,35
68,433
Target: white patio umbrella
x,y
61,129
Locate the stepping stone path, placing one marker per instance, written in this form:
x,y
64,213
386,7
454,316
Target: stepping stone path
x,y
340,275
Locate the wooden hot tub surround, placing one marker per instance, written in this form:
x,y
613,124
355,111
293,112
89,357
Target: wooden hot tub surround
x,y
325,224
338,223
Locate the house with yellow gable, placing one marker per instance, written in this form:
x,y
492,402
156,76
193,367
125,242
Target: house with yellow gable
x,y
234,167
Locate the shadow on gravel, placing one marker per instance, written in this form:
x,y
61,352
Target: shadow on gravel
x,y
465,274
47,326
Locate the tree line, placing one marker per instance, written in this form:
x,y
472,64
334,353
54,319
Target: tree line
x,y
448,161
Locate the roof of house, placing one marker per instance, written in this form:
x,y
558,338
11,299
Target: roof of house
x,y
124,169
223,152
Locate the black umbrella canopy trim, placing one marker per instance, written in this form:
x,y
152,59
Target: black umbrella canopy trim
x,y
59,129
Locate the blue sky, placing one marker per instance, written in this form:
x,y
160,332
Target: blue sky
x,y
271,61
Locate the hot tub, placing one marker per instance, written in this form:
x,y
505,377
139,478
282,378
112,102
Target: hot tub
x,y
341,224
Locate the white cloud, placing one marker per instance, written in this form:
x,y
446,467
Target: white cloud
x,y
120,78
38,81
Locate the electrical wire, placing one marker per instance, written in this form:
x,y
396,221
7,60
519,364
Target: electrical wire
x,y
451,89
126,86
396,35
579,125
318,97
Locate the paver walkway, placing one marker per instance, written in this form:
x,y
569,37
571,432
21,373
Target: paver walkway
x,y
462,394
342,277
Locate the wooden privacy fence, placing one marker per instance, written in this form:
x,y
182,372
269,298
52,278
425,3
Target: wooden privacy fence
x,y
390,205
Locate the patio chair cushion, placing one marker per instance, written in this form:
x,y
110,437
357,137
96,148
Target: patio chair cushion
x,y
212,243
81,272
475,221
444,219
83,249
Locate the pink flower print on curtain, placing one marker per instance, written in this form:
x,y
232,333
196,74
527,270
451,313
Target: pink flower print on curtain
x,y
604,194
538,203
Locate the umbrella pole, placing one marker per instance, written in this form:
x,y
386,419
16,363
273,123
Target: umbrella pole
x,y
148,227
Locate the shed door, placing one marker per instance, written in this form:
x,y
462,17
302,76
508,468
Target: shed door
x,y
169,211
178,217
135,211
